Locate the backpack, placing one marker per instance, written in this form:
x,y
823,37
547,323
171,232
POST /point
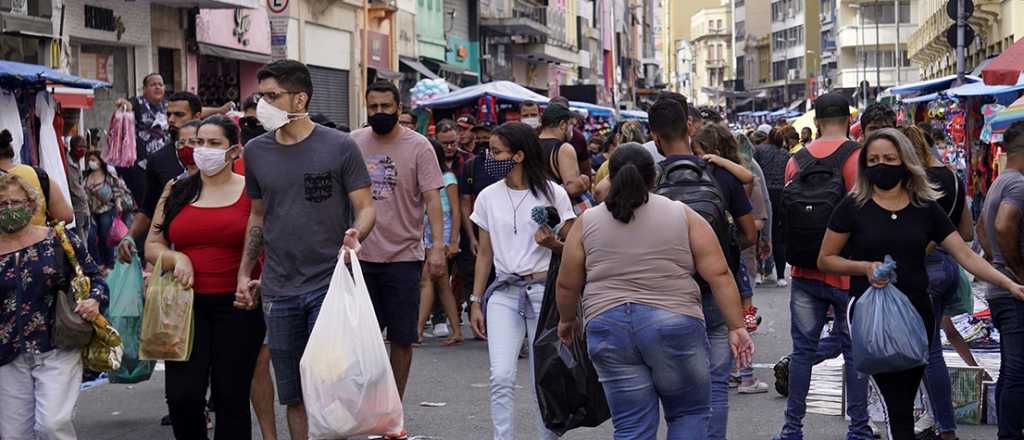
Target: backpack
x,y
808,201
691,182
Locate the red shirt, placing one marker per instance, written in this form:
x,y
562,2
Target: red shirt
x,y
822,148
213,238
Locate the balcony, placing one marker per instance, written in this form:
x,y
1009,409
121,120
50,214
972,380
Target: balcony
x,y
848,78
715,64
547,53
516,17
210,4
851,36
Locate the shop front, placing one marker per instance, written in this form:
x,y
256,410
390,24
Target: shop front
x,y
233,44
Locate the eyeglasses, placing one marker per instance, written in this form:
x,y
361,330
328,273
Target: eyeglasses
x,y
13,204
272,96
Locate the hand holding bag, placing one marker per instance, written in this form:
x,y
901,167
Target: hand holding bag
x,y
167,322
125,312
118,231
888,333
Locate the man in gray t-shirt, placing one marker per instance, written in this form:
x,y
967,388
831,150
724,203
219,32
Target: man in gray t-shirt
x,y
311,197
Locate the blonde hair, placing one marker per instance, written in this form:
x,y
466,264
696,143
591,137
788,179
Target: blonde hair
x,y
921,190
9,180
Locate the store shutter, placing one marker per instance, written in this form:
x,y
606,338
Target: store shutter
x,y
330,94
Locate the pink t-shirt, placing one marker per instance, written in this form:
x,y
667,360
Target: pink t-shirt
x,y
401,170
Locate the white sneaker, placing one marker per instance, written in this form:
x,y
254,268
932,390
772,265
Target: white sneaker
x,y
781,283
442,331
924,423
757,387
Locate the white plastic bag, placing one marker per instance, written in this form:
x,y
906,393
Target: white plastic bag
x,y
347,384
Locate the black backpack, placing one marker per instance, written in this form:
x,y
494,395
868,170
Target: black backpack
x,y
808,201
691,182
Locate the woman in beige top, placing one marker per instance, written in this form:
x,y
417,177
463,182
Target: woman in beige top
x,y
638,254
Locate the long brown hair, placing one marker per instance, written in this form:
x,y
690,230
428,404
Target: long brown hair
x,y
715,139
921,191
921,145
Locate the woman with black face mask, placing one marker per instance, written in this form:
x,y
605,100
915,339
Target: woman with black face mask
x,y
893,211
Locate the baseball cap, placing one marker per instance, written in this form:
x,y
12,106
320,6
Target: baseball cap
x,y
483,125
831,105
765,128
466,121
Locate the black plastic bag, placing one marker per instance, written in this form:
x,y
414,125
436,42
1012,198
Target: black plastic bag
x,y
569,397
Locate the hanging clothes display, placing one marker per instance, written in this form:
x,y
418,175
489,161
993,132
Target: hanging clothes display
x,y
10,120
49,149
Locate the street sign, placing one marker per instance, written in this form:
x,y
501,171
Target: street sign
x,y
951,35
277,6
951,9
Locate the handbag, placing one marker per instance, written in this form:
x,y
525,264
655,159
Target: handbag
x,y
70,331
102,351
118,231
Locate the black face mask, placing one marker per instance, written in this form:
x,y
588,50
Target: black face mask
x,y
886,176
383,123
251,128
481,147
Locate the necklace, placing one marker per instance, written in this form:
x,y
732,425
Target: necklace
x,y
515,208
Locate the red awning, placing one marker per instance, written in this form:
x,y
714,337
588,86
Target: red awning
x,y
73,98
1005,69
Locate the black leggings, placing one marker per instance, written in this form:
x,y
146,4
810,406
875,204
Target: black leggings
x,y
224,348
778,233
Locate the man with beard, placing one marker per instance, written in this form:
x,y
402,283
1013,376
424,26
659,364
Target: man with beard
x,y
466,138
448,137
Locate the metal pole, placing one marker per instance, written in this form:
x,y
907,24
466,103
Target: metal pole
x,y
864,58
960,21
878,50
899,52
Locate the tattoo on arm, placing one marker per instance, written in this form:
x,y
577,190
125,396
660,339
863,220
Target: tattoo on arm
x,y
255,245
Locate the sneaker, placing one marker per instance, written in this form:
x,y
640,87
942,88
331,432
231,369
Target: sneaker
x,y
734,382
781,369
757,387
442,330
751,319
925,424
782,283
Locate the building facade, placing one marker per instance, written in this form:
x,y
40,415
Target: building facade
x,y
866,43
998,24
711,31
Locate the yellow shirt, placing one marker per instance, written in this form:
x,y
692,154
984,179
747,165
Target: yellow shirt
x,y
602,173
29,175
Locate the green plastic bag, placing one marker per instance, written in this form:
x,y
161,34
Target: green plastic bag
x,y
964,302
125,313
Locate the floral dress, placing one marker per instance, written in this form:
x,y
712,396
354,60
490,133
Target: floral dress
x,y
29,280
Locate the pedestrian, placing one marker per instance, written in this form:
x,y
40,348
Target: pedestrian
x,y
892,211
406,182
249,124
53,207
467,140
943,279
560,156
876,117
39,383
772,158
638,254
792,139
806,136
76,188
162,165
818,176
576,137
519,251
407,119
716,194
310,196
448,136
529,114
109,199
441,286
202,217
999,230
151,131
600,150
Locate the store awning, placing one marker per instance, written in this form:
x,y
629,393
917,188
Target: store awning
x,y
14,75
797,106
73,98
456,69
232,54
922,98
930,85
1006,68
593,109
981,89
418,67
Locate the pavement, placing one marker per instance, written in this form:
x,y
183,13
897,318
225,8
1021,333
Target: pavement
x,y
458,377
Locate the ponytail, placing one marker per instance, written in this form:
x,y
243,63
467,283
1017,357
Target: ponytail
x,y
632,175
6,147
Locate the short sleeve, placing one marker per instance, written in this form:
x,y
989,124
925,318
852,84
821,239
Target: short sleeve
x,y
602,172
850,169
1014,193
353,168
739,202
252,185
481,214
450,179
791,169
843,217
941,226
562,202
428,171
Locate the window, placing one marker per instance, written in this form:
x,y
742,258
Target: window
x,y
885,13
741,30
737,3
778,70
718,24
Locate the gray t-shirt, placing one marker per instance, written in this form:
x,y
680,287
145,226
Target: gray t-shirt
x,y
304,188
1008,188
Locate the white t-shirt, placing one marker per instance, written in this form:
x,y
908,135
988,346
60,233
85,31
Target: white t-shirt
x,y
653,149
515,251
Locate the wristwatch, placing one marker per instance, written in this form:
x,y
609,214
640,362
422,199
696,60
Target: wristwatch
x,y
473,299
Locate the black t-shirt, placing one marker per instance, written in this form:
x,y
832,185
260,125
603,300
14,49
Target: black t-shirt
x,y
480,178
953,192
162,166
874,233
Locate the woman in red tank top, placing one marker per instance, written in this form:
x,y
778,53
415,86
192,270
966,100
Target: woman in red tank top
x,y
203,217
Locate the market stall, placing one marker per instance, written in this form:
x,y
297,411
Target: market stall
x,y
599,120
493,102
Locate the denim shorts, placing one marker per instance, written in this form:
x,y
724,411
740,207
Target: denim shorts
x,y
743,283
290,320
395,291
428,241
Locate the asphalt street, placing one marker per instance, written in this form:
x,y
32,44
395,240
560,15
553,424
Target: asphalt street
x,y
458,377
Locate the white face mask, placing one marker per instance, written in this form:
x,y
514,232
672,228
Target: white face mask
x,y
272,117
533,121
210,161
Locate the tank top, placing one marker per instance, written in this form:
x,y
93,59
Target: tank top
x,y
213,238
646,261
551,148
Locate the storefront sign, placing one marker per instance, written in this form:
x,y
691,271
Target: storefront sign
x,y
250,29
95,66
279,37
379,53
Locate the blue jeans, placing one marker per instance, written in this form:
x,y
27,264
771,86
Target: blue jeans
x,y
943,281
103,253
645,355
808,304
721,365
1008,316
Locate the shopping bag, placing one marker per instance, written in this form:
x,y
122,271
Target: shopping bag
x,y
347,384
167,321
125,312
569,392
118,231
888,333
964,300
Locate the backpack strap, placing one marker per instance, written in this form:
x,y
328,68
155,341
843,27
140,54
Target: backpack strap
x,y
469,170
836,160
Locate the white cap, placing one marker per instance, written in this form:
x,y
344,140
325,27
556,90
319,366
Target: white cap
x,y
764,128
